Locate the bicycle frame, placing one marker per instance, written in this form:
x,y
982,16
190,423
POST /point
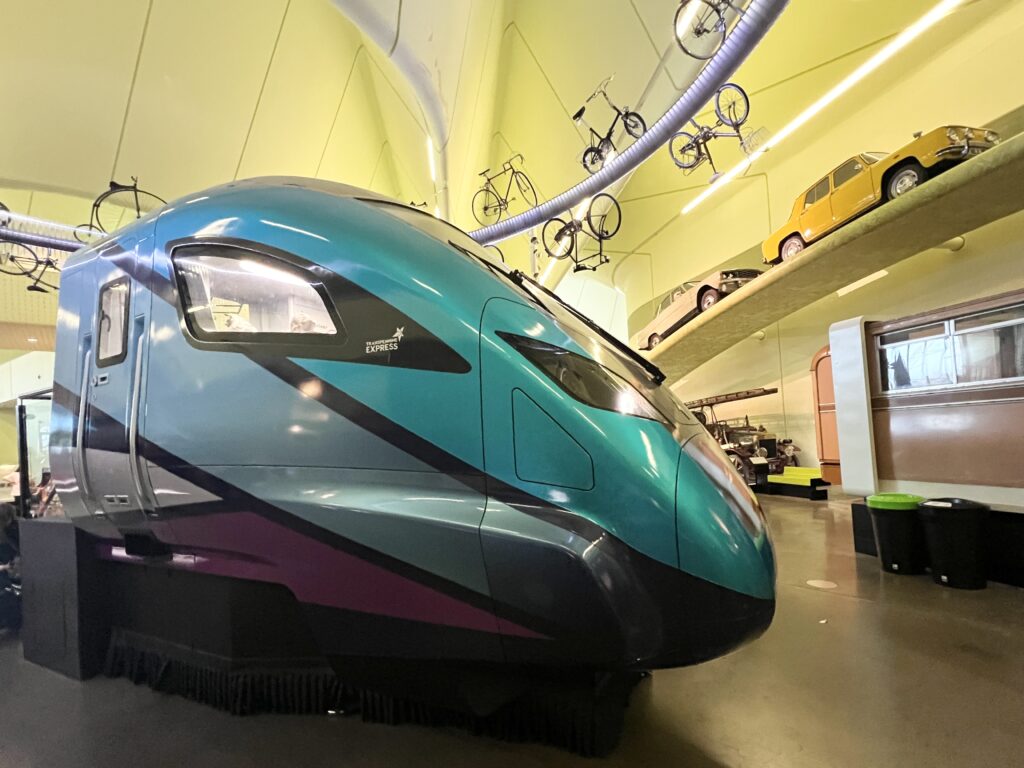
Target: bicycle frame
x,y
506,167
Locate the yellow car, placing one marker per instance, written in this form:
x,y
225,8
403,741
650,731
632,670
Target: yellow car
x,y
869,179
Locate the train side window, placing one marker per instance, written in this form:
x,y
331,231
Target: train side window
x,y
231,294
113,322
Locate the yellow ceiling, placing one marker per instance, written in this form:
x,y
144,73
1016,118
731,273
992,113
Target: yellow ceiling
x,y
189,93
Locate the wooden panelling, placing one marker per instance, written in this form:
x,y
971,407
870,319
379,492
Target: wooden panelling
x,y
974,443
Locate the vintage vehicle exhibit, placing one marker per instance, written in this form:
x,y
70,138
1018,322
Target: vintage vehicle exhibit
x,y
381,428
688,300
869,179
742,442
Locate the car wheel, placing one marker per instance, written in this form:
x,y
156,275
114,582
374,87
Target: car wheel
x,y
905,179
654,341
791,246
741,467
708,299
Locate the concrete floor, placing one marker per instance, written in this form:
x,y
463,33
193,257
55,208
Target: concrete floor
x,y
881,670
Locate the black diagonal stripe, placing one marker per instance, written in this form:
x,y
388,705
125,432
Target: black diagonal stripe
x,y
340,402
234,498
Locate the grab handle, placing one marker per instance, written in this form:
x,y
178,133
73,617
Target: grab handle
x,y
83,404
141,490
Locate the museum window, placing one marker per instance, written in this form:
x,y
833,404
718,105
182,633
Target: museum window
x,y
845,172
976,348
112,337
233,294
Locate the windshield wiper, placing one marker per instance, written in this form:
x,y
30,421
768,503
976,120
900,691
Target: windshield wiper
x,y
529,284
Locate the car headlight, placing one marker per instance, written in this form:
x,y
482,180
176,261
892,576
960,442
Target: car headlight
x,y
953,134
762,452
790,450
991,137
710,457
584,379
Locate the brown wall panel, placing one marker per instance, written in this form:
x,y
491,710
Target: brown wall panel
x,y
979,443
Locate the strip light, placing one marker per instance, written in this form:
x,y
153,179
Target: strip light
x,y
898,43
862,282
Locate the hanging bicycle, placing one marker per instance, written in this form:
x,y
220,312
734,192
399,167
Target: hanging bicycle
x,y
690,149
602,147
118,206
21,261
700,26
489,205
601,222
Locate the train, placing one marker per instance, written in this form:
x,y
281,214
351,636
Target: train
x,y
299,383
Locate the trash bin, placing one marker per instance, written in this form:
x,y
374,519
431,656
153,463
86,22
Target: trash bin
x,y
955,532
899,534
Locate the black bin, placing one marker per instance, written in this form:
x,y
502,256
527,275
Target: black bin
x,y
899,535
955,532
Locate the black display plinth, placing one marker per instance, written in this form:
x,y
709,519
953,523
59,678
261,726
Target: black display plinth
x,y
65,627
863,534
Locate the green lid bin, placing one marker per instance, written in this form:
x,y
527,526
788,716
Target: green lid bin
x,y
899,534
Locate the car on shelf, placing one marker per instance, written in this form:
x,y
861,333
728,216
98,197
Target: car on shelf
x,y
870,179
688,300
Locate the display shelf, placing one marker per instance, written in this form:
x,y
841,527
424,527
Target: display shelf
x,y
977,192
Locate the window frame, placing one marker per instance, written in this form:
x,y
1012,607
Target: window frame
x,y
106,362
814,189
950,333
228,339
853,161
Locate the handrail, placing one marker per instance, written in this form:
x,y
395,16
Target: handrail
x,y
752,26
83,402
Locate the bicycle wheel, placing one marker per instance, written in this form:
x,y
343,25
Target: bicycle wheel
x,y
486,207
699,28
525,188
593,160
497,250
120,206
17,259
604,216
559,238
685,151
732,105
634,124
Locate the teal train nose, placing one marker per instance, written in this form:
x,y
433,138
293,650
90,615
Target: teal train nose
x,y
725,558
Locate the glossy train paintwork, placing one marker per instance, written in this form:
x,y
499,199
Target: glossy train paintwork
x,y
384,493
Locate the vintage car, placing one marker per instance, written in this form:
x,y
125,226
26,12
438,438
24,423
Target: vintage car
x,y
742,442
687,301
869,179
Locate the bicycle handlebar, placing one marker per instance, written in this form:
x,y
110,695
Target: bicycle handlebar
x,y
601,88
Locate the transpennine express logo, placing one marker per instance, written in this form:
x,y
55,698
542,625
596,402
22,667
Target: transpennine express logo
x,y
386,345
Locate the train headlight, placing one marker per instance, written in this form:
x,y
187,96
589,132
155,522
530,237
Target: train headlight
x,y
709,456
584,379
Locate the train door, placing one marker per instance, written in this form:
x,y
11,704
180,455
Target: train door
x,y
111,474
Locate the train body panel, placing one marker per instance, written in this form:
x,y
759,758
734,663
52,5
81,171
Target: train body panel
x,y
319,388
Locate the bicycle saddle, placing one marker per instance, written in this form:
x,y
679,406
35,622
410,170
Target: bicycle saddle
x,y
579,114
484,172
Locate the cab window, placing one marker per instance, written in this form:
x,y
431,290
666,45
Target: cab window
x,y
232,294
113,323
845,172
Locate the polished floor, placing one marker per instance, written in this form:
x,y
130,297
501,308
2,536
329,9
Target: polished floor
x,y
877,670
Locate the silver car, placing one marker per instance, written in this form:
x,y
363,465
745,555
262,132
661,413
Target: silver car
x,y
687,301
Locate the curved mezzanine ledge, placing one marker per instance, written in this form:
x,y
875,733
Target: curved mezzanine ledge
x,y
977,192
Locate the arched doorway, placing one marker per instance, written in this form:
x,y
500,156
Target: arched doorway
x,y
825,428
